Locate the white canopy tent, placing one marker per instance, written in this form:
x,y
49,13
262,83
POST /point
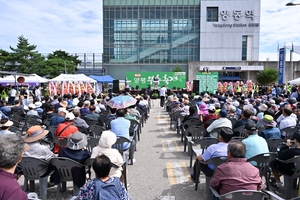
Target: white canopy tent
x,y
295,81
32,79
73,78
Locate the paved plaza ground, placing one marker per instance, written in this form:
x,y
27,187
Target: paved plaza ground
x,y
161,170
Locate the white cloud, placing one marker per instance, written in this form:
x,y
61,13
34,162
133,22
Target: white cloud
x,y
75,26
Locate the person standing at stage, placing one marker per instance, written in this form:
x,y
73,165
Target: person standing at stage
x,y
162,94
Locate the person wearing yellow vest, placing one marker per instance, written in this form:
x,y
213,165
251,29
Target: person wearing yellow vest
x,y
288,88
256,90
239,90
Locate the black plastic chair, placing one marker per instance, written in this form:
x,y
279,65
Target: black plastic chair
x,y
274,144
189,123
263,162
204,143
239,131
288,132
119,145
61,142
65,167
35,169
193,133
216,161
92,142
96,130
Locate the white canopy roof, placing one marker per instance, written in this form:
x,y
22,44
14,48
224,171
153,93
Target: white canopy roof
x,y
74,78
295,81
33,78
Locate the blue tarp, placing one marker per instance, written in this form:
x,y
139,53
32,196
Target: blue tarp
x,y
102,79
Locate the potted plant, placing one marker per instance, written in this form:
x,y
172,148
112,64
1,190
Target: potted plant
x,y
154,96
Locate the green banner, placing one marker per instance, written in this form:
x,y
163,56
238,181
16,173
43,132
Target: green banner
x,y
168,79
209,80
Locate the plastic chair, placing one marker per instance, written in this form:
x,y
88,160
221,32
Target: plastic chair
x,y
119,145
288,132
239,131
215,132
52,129
65,167
193,133
96,130
84,130
174,118
204,143
216,161
237,138
188,123
240,194
274,144
208,122
134,129
32,196
92,142
35,169
288,180
263,162
15,130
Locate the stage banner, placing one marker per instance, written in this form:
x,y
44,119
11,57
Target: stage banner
x,y
170,80
281,65
208,81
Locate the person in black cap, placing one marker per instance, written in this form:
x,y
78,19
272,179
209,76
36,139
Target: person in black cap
x,y
286,153
254,144
214,150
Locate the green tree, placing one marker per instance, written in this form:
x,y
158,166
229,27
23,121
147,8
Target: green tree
x,y
60,62
24,58
5,58
177,69
267,76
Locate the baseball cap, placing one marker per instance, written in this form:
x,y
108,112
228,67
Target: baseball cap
x,y
70,116
250,126
223,113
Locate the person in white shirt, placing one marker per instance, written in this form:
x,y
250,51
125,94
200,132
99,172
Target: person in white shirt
x,y
162,94
223,121
287,121
12,95
37,93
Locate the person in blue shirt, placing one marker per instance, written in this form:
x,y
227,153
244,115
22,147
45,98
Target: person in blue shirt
x,y
271,130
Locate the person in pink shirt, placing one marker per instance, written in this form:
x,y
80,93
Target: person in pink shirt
x,y
236,173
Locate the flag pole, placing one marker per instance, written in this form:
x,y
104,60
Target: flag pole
x,y
291,60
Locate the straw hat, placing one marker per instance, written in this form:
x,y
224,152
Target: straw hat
x,y
35,133
5,123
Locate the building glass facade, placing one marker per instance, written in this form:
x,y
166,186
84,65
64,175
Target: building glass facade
x,y
151,31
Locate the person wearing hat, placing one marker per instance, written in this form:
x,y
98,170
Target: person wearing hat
x,y
254,144
33,138
11,148
76,150
211,115
236,173
261,109
285,153
214,150
231,113
38,108
65,129
31,111
223,121
99,105
5,124
39,149
107,139
227,103
271,131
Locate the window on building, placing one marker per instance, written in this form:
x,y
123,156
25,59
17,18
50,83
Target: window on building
x,y
212,14
244,47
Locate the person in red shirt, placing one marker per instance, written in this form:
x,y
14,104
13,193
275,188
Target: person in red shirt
x,y
65,129
236,173
211,115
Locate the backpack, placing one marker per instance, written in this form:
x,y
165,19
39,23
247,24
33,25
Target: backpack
x,y
107,191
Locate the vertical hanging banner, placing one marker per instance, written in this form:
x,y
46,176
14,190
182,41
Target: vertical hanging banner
x,y
281,65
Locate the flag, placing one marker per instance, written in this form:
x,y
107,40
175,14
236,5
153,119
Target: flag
x,y
292,48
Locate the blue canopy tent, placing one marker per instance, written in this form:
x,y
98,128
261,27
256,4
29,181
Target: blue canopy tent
x,y
102,79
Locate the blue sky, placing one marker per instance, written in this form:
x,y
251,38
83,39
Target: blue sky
x,y
75,26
